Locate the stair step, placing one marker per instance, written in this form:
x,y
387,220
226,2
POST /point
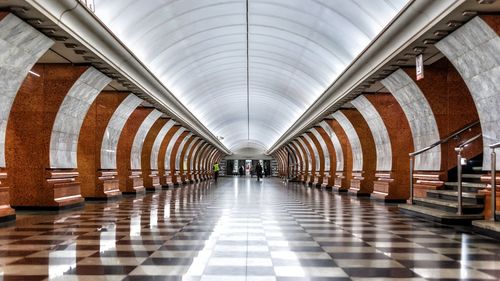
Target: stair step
x,y
477,169
448,203
488,227
454,193
467,184
439,215
472,176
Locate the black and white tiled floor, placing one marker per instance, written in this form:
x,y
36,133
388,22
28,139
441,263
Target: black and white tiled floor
x,y
241,230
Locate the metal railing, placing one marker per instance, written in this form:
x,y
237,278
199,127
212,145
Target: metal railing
x,y
494,180
459,150
420,151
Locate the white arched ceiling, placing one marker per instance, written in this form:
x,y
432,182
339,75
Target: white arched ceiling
x,y
201,52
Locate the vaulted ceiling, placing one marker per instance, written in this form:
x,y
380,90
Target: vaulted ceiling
x,y
247,69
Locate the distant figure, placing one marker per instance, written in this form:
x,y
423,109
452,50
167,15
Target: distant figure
x,y
242,171
258,171
216,171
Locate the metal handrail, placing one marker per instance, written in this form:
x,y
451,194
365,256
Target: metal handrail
x,y
420,151
459,150
444,140
495,145
494,180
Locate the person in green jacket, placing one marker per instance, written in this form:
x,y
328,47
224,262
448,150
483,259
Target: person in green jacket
x,y
216,171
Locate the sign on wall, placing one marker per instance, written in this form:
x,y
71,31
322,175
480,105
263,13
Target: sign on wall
x,y
419,63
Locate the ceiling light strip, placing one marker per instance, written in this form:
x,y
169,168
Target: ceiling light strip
x,y
248,76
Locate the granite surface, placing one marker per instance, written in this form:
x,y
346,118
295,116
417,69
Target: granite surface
x,y
315,151
135,157
339,154
179,151
21,46
114,129
379,132
357,150
420,117
170,146
474,50
321,141
70,116
156,146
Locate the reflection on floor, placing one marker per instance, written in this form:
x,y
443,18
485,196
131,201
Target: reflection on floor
x,y
237,230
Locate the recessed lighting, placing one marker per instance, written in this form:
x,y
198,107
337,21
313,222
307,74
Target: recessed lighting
x,y
440,33
469,13
453,23
429,41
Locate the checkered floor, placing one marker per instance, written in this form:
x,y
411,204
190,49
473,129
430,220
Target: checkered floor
x,y
241,230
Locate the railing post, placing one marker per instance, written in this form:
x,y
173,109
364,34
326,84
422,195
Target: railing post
x,y
459,180
493,184
412,159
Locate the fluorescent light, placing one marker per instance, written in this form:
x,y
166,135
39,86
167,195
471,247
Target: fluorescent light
x,y
34,73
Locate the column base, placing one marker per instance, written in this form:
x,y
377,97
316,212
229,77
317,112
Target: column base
x,y
65,189
108,187
7,214
134,183
358,193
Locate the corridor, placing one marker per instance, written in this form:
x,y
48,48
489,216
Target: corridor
x,y
241,229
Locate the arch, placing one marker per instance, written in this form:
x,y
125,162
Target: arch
x,y
113,131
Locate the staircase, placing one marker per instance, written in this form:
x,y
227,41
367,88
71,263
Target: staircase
x,y
442,205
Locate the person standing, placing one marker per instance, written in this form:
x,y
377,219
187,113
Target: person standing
x,y
216,171
258,171
241,171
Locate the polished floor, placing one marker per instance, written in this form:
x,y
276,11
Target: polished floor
x,y
239,229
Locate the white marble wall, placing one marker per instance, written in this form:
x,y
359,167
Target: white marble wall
x,y
293,156
323,147
155,150
114,129
20,48
308,154
379,132
474,50
352,136
170,146
195,156
339,154
140,137
202,148
296,146
179,151
69,118
423,125
315,151
188,150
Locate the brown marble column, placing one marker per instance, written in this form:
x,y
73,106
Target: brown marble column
x,y
36,181
196,161
130,181
453,109
150,178
183,165
176,179
362,181
342,179
6,212
97,184
165,177
191,159
305,158
300,161
330,181
393,185
318,181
